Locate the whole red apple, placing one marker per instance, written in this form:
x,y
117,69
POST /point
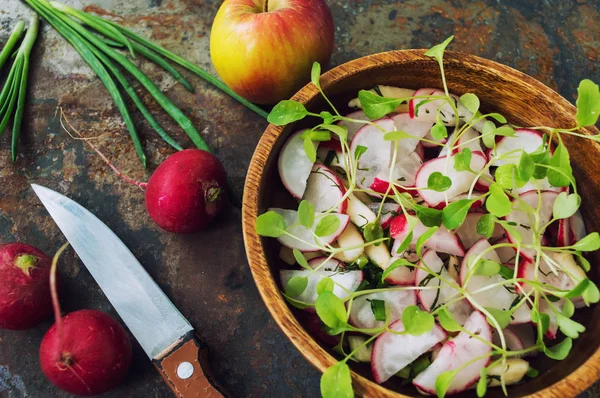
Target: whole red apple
x,y
264,49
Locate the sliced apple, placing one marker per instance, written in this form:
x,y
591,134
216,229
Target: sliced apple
x,y
456,353
393,352
294,165
302,236
351,239
360,214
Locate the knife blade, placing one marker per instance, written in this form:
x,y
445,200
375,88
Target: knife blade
x,y
164,334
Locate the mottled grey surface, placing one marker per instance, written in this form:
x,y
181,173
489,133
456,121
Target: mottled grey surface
x,y
206,274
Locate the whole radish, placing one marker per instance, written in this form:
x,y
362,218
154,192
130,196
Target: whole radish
x,y
86,352
187,191
24,289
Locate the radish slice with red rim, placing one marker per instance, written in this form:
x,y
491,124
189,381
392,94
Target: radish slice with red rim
x,y
431,299
413,127
525,334
543,185
564,234
477,204
442,240
461,180
552,326
403,174
393,352
467,232
351,126
294,165
523,220
506,254
361,312
327,264
468,139
376,157
502,297
456,353
524,139
578,231
564,274
344,283
325,190
388,211
403,276
302,236
513,341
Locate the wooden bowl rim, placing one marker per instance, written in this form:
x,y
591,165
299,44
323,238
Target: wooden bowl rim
x,y
572,385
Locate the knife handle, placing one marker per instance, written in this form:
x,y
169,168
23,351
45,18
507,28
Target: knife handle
x,y
185,368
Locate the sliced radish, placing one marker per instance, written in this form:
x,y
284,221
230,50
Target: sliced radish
x,y
359,213
524,139
392,352
430,299
397,92
361,314
344,283
506,254
402,275
533,185
351,239
376,158
351,126
524,220
565,274
413,103
456,353
545,308
294,165
484,182
313,324
467,232
563,237
388,211
443,240
302,233
468,139
427,112
513,341
432,144
500,297
327,264
476,205
325,190
403,174
415,128
461,180
578,231
525,334
420,150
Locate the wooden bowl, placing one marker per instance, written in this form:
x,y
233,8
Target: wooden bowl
x,y
524,101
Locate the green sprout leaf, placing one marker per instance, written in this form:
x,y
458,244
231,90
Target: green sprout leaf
x,y
401,262
340,131
315,74
486,267
541,319
296,286
569,327
588,103
448,321
505,131
417,322
482,383
560,160
310,149
470,101
540,157
568,308
589,243
373,231
462,160
526,167
560,350
317,135
359,151
306,214
300,259
506,272
375,106
405,243
532,373
439,130
437,51
327,117
327,225
378,308
502,317
455,213
487,134
498,203
498,117
331,310
424,238
485,225
396,135
438,182
591,294
443,381
325,285
565,205
508,177
270,224
428,216
336,382
286,112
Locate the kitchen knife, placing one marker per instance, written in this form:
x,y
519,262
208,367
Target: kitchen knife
x,y
164,334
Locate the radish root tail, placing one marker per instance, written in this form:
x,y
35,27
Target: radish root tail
x,y
56,305
64,122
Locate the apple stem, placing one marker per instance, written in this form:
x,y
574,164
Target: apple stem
x,y
55,303
266,6
139,184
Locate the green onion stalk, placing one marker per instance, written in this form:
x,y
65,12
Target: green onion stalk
x,y
99,41
14,91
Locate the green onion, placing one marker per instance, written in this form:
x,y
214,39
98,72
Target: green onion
x,y
14,92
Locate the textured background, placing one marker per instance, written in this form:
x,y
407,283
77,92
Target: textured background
x,y
206,275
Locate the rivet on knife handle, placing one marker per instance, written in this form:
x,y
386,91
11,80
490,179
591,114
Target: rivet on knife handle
x,y
185,369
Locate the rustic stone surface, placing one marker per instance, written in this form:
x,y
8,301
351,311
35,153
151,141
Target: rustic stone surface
x,y
206,274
